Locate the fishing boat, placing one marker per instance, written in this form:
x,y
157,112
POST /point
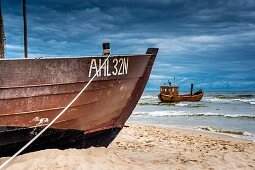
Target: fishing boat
x,y
34,91
171,94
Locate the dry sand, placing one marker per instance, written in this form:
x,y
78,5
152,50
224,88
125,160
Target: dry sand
x,y
148,147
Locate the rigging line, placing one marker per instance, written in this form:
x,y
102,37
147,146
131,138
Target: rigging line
x,y
60,114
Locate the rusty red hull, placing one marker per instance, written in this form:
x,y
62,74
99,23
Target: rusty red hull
x,y
34,91
180,98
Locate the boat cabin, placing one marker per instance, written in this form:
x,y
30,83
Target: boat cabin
x,y
169,90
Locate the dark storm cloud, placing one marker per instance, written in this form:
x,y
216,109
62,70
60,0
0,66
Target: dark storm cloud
x,y
200,40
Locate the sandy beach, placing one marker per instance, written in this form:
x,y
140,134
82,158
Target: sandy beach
x,y
149,147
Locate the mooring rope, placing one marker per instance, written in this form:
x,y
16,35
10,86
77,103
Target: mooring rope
x,y
60,114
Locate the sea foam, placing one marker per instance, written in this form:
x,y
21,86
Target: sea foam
x,y
164,113
230,100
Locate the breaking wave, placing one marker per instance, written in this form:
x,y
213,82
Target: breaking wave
x,y
182,104
228,99
169,113
149,97
241,96
148,103
221,130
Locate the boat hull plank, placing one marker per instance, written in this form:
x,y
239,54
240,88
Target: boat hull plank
x,y
54,101
89,110
44,90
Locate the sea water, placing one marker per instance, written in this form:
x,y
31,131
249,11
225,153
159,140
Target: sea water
x,y
228,113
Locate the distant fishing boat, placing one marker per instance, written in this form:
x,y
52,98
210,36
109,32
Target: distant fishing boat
x,y
34,91
171,94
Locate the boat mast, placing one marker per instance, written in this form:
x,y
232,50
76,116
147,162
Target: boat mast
x,y
2,35
25,28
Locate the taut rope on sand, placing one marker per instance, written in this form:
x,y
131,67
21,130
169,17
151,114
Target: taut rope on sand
x,y
60,114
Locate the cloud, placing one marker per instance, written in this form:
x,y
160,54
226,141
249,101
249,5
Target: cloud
x,y
200,40
14,47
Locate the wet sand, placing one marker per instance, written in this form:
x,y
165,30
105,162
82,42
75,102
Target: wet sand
x,y
149,147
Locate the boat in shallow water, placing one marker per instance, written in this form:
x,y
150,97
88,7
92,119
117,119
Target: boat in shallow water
x,y
171,94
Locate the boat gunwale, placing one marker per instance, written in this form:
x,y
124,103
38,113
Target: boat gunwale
x,y
74,57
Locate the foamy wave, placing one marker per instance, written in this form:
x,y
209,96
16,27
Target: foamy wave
x,y
237,134
149,97
181,104
165,113
149,100
183,113
190,105
212,99
250,101
247,134
221,130
239,116
161,113
156,103
229,100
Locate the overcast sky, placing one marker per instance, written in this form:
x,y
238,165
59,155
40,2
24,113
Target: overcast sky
x,y
207,42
